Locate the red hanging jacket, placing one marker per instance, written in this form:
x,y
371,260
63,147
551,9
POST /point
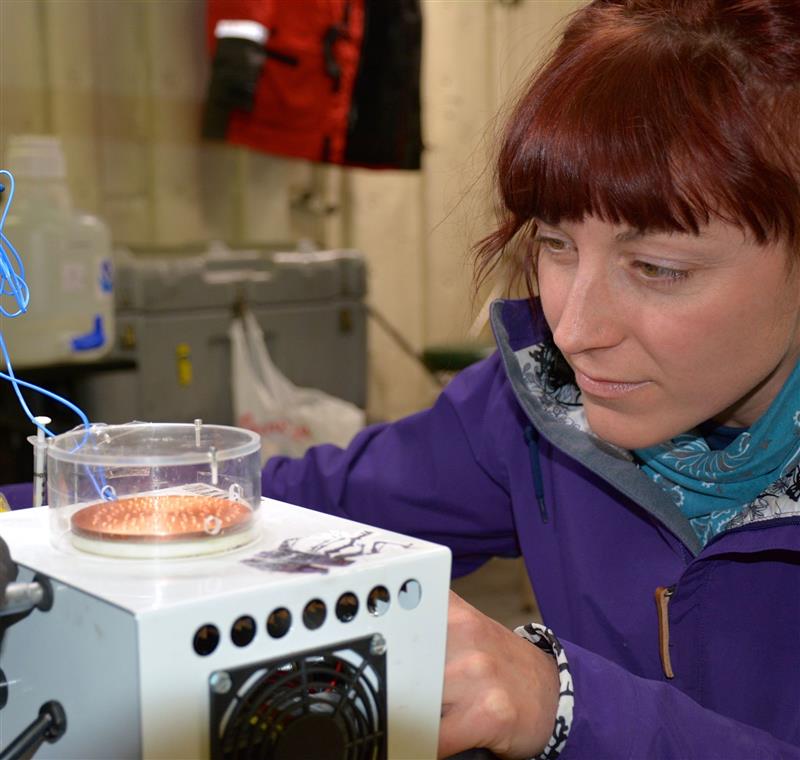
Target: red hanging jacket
x,y
326,80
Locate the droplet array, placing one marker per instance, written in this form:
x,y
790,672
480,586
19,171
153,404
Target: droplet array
x,y
160,518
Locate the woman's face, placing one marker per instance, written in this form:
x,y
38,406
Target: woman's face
x,y
667,330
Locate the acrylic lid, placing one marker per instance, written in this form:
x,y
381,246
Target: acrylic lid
x,y
151,443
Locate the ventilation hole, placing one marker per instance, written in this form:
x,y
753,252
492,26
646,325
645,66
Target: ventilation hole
x,y
314,614
243,631
347,607
206,639
378,601
279,622
410,594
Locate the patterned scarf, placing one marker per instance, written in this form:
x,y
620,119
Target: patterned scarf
x,y
711,487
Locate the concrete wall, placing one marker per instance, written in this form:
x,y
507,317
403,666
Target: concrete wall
x,y
122,83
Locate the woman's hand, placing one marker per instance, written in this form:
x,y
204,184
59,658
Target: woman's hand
x,y
500,691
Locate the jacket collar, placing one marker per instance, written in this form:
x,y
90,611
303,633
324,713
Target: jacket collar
x,y
519,330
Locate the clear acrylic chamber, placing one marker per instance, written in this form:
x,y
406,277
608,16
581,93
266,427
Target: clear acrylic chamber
x,y
153,490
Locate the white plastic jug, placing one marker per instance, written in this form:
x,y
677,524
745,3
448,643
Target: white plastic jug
x,y
67,260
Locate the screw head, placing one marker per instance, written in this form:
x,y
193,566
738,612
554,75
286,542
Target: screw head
x,y
377,645
220,682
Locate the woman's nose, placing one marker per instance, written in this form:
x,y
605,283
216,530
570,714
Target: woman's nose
x,y
589,318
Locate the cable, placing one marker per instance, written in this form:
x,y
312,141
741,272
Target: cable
x,y
16,382
12,272
14,286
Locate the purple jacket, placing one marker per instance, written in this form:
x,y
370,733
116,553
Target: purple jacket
x,y
493,469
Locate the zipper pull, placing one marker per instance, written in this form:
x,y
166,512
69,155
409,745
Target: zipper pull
x,y
663,594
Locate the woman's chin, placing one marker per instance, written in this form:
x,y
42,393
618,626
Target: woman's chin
x,y
627,431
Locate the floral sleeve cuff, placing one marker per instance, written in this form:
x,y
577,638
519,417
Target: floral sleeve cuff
x,y
546,640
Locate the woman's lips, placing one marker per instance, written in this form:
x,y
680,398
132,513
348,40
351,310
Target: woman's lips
x,y
602,388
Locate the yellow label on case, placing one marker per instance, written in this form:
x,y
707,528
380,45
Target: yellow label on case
x,y
183,356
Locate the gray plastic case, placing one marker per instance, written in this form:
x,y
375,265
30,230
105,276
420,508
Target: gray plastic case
x,y
173,315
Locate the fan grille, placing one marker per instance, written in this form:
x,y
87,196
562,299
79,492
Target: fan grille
x,y
326,704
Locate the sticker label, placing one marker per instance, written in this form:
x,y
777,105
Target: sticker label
x,y
320,552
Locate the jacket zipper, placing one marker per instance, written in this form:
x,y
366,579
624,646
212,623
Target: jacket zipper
x,y
663,595
536,470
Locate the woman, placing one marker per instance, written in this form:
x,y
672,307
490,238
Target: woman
x,y
637,435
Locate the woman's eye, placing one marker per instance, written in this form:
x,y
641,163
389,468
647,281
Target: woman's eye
x,y
662,274
552,245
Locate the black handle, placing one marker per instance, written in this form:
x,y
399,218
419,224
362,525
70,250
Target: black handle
x,y
49,727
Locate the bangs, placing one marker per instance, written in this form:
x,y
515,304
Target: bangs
x,y
657,139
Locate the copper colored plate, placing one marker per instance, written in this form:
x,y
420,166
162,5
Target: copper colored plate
x,y
160,518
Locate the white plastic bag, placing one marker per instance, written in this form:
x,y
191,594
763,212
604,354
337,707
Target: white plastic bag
x,y
288,418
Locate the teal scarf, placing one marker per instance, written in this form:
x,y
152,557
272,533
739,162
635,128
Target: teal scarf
x,y
711,487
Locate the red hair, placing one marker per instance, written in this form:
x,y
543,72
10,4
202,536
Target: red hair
x,y
659,114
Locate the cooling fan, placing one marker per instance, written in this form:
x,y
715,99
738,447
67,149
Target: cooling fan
x,y
326,704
